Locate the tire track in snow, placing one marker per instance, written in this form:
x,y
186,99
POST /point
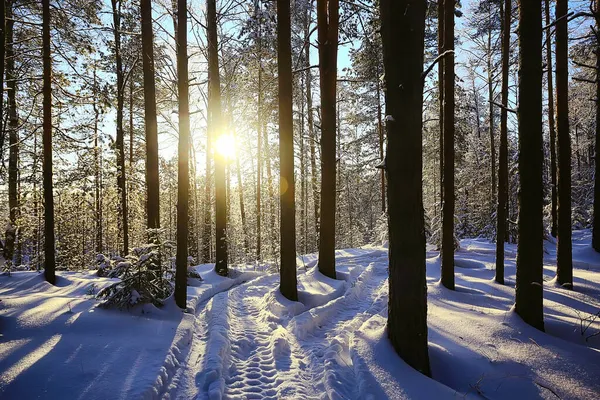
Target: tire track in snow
x,y
326,332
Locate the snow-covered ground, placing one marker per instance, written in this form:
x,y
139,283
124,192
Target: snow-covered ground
x,y
241,339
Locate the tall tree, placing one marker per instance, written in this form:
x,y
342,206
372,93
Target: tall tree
x,y
287,270
564,253
402,31
501,213
449,195
13,134
259,125
215,120
551,126
152,181
120,139
440,10
529,291
49,256
327,26
596,225
183,175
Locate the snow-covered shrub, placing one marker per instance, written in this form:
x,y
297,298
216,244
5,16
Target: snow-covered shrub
x,y
143,279
104,265
381,230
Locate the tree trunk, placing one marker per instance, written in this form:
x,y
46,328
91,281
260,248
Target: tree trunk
x,y
440,10
381,140
151,126
529,292
287,270
564,253
183,175
327,24
551,127
259,139
215,112
49,256
403,44
119,142
449,196
501,214
490,83
13,137
596,226
97,169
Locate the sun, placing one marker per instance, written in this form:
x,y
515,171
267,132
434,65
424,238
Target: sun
x,y
225,146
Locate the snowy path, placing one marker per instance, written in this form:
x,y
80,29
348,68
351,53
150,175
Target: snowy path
x,y
242,350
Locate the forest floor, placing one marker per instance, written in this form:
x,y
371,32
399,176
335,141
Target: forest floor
x,y
241,339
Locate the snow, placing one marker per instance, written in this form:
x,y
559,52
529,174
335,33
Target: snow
x,y
240,338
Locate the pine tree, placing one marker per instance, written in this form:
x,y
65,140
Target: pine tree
x,y
449,195
551,127
49,256
529,291
327,25
564,253
183,175
287,192
402,30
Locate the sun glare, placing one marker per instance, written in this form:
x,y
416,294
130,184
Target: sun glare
x,y
225,146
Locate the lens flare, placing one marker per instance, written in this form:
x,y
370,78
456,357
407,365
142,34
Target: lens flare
x,y
225,146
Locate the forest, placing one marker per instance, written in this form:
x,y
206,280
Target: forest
x,y
301,199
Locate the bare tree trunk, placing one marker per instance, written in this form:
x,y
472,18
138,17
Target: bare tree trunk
x,y
13,138
259,149
490,83
381,140
151,125
215,112
449,195
501,214
529,292
596,225
564,252
327,24
440,10
288,280
551,126
97,169
403,44
119,142
183,174
49,256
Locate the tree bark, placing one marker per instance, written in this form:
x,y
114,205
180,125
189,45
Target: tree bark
x,y
97,169
529,292
596,226
564,253
183,174
440,9
501,213
287,270
449,195
490,83
49,255
402,30
151,125
13,137
259,149
120,140
215,112
551,126
327,25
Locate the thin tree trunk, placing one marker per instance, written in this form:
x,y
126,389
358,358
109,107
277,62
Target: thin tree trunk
x,y
564,253
449,195
501,214
288,280
490,83
150,122
551,126
327,24
381,141
596,226
529,292
440,9
271,208
119,142
97,169
183,174
49,256
13,137
215,112
259,139
403,44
